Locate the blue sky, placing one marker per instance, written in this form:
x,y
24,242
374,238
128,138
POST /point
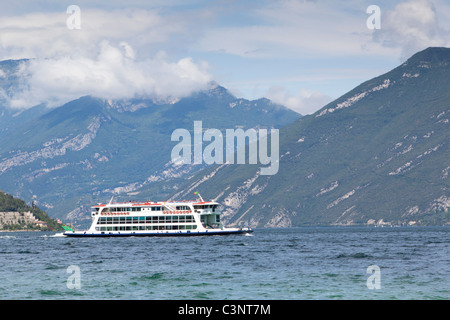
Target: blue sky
x,y
299,53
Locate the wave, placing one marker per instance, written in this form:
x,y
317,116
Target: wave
x,y
7,237
56,235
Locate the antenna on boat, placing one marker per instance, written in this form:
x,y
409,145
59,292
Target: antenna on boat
x,y
110,201
198,194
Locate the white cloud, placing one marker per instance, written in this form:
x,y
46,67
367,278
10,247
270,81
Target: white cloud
x,y
412,26
113,74
289,28
306,102
109,57
46,34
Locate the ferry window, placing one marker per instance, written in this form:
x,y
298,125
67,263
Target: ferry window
x,y
128,219
217,218
116,219
141,219
161,219
169,219
175,219
135,219
122,219
155,219
203,206
181,218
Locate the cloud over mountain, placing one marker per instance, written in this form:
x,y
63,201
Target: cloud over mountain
x,y
412,26
113,74
291,49
109,57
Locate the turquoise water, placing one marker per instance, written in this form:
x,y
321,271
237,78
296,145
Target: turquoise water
x,y
297,263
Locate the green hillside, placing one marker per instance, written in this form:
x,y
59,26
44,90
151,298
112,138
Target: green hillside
x,y
378,154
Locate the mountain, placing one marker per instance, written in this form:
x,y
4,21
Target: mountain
x,y
377,155
69,157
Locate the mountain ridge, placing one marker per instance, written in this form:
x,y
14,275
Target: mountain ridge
x,y
362,159
89,149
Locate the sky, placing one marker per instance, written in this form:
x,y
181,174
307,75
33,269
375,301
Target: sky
x,y
299,53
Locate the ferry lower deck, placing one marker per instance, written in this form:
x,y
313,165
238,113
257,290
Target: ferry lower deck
x,y
211,232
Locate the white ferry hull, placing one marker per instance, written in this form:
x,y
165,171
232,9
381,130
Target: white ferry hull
x,y
167,233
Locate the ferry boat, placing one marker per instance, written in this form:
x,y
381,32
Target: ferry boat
x,y
170,218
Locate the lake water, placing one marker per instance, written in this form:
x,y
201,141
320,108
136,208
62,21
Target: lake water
x,y
275,264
